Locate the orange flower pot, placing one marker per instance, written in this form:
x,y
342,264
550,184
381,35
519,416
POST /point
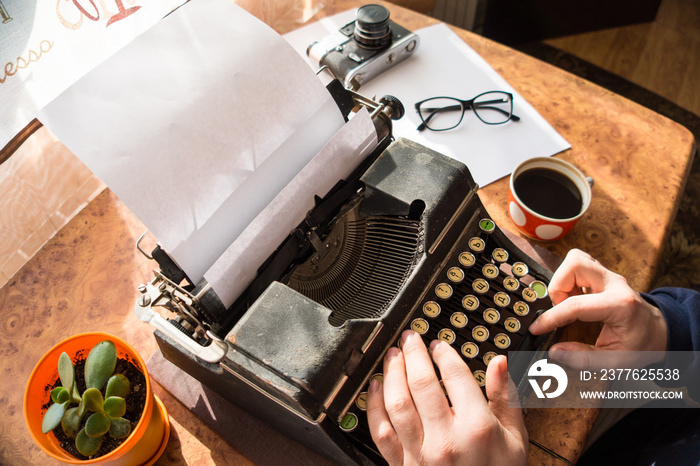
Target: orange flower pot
x,y
148,439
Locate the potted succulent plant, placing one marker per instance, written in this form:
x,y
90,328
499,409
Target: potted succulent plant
x,y
89,400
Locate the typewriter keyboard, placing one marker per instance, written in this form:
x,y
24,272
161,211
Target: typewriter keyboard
x,y
482,304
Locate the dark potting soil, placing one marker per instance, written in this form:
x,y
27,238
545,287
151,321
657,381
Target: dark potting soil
x,y
135,402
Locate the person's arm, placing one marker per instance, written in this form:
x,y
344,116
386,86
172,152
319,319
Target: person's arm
x,y
412,422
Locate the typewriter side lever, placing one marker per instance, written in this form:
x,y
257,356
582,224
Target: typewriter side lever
x,y
162,292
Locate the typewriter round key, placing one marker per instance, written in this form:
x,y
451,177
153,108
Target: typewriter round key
x,y
499,255
480,377
520,269
349,422
490,271
477,244
431,309
470,302
378,377
521,308
529,295
488,357
501,299
512,324
502,340
480,285
420,326
487,225
511,283
470,349
447,335
443,291
458,320
467,259
361,401
480,333
455,275
491,316
540,288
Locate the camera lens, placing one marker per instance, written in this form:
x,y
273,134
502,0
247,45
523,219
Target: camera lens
x,y
372,29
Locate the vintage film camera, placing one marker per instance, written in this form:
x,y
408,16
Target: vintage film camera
x,y
365,47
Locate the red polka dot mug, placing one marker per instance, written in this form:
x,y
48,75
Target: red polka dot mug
x,y
547,197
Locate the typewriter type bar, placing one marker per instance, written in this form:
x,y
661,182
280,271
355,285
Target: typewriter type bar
x,y
409,246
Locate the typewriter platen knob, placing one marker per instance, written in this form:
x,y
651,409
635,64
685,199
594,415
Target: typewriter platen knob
x,y
397,110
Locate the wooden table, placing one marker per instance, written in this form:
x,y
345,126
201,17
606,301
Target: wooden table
x,y
86,277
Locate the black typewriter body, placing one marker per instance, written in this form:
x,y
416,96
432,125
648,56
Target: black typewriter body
x,y
302,355
404,244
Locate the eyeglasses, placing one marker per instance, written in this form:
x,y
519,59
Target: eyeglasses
x,y
443,113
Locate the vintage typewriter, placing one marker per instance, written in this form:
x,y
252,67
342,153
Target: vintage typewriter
x,y
403,243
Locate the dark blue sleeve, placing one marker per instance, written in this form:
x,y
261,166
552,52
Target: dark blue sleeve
x,y
681,308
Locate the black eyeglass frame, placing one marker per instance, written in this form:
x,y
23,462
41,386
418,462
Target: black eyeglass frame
x,y
465,105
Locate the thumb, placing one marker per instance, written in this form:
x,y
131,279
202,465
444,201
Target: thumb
x,y
503,398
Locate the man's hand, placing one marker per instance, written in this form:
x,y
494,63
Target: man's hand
x,y
582,289
412,422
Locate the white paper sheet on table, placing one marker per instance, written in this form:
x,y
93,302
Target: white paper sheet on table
x,y
444,65
197,125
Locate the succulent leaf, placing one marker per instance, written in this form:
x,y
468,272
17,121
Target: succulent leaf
x,y
53,416
82,409
87,445
71,422
100,364
115,406
117,385
60,395
66,372
93,401
97,425
120,428
75,393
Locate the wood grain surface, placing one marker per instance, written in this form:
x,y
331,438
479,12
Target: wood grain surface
x,y
86,277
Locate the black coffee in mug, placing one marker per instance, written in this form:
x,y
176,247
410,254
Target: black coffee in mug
x,y
549,193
